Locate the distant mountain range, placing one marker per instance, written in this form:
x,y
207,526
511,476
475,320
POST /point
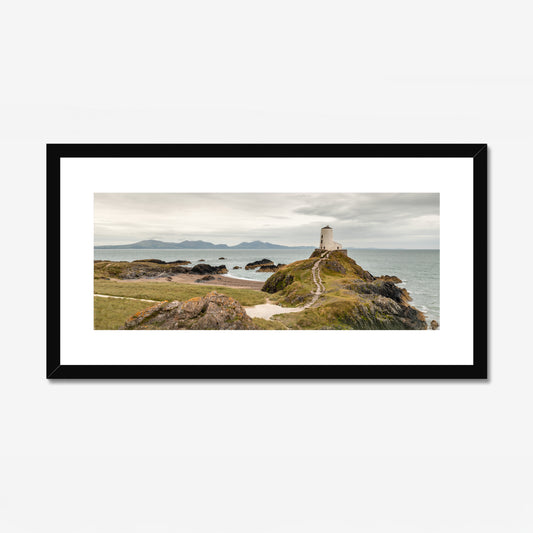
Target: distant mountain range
x,y
153,244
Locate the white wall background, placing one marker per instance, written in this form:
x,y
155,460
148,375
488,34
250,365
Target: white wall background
x,y
264,457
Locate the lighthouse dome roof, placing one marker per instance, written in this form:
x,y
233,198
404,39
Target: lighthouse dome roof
x,y
326,227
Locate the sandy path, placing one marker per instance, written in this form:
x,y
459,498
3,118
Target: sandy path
x,y
126,298
268,310
318,282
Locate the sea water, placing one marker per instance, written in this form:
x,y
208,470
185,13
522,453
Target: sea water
x,y
419,270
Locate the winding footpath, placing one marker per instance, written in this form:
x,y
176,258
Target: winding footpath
x,y
318,282
268,310
126,298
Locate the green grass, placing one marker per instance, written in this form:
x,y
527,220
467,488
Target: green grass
x,y
160,290
262,323
111,313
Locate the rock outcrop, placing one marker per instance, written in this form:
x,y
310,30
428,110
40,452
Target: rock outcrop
x,y
278,281
208,269
270,268
205,278
394,279
178,262
260,263
157,261
136,269
161,262
151,268
214,311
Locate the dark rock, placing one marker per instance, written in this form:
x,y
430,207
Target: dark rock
x,y
383,306
270,268
394,279
381,288
208,269
261,262
201,260
176,269
236,268
434,325
205,278
156,261
178,262
169,278
214,311
277,282
221,258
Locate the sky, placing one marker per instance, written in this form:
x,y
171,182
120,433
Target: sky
x,y
366,220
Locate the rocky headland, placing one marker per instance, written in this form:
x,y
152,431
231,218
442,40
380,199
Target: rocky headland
x,y
342,296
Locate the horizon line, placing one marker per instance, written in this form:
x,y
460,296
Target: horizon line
x,y
284,245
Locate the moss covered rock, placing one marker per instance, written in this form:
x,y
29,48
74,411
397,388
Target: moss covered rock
x,y
278,282
135,269
213,311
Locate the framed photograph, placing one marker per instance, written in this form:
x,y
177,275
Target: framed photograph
x,y
239,261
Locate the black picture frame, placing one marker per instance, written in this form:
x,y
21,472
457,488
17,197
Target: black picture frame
x,y
479,369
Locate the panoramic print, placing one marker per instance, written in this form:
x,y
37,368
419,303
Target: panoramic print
x,y
266,261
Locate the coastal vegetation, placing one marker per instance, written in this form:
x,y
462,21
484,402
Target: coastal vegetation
x,y
352,297
150,290
111,313
330,288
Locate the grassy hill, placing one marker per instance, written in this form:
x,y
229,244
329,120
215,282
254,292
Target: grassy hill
x,y
353,298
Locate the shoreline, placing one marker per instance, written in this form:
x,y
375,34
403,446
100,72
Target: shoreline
x,y
228,275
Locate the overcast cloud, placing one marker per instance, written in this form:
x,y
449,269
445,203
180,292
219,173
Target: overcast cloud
x,y
381,220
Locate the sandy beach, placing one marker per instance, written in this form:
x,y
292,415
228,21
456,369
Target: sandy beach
x,y
268,310
220,280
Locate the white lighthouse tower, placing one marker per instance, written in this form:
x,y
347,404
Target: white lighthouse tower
x,y
327,243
